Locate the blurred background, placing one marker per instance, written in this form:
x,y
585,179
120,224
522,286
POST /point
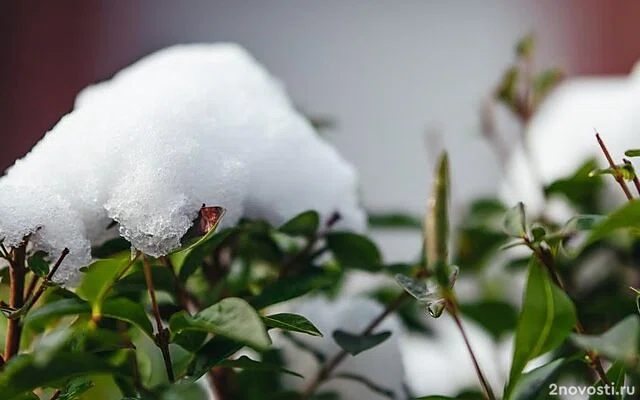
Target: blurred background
x,y
399,80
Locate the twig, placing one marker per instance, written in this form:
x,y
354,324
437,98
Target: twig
x,y
162,337
327,369
454,312
5,253
56,395
17,272
32,286
43,284
617,175
636,181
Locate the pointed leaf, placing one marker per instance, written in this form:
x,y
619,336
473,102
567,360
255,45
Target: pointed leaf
x,y
292,323
531,385
99,277
393,221
356,344
632,153
515,221
627,216
38,264
232,318
436,233
245,362
354,251
620,343
547,318
305,224
211,354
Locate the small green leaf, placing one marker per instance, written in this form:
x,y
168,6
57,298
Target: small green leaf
x,y
538,232
616,375
37,264
211,354
290,288
99,277
356,344
547,317
627,216
374,387
22,375
526,46
545,81
632,153
245,362
305,224
232,318
354,251
529,386
118,308
620,343
292,323
515,221
75,388
393,221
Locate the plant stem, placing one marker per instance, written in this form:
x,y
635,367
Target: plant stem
x,y
17,272
43,284
327,369
452,307
617,175
56,395
162,337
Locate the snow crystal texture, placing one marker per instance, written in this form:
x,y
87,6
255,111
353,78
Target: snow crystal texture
x,y
189,125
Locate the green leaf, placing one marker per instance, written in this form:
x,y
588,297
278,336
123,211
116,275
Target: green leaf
x,y
119,308
305,224
232,318
526,46
245,362
545,81
436,227
356,344
620,343
290,288
37,263
547,317
515,221
393,221
632,153
22,375
529,386
292,323
374,387
354,251
211,354
582,191
75,388
435,398
99,277
627,216
495,316
184,391
187,261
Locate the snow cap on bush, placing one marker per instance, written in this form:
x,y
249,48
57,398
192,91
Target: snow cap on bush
x,y
188,125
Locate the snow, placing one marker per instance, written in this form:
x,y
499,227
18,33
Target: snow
x,y
188,125
560,137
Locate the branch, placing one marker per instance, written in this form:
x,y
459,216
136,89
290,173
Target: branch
x,y
617,175
162,337
17,272
43,284
325,372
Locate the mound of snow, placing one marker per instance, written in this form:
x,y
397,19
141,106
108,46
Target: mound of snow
x,y
186,126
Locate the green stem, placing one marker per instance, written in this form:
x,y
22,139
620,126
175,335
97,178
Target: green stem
x,y
17,272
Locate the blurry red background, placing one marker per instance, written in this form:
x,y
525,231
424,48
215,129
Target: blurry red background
x,y
49,51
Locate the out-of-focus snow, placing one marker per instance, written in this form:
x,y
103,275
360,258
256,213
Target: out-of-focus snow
x,y
561,135
189,125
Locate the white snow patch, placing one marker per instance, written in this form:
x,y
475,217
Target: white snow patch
x,y
188,125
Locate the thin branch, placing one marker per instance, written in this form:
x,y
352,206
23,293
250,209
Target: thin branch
x,y
17,272
327,369
617,175
56,395
45,283
32,286
5,253
162,337
454,312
